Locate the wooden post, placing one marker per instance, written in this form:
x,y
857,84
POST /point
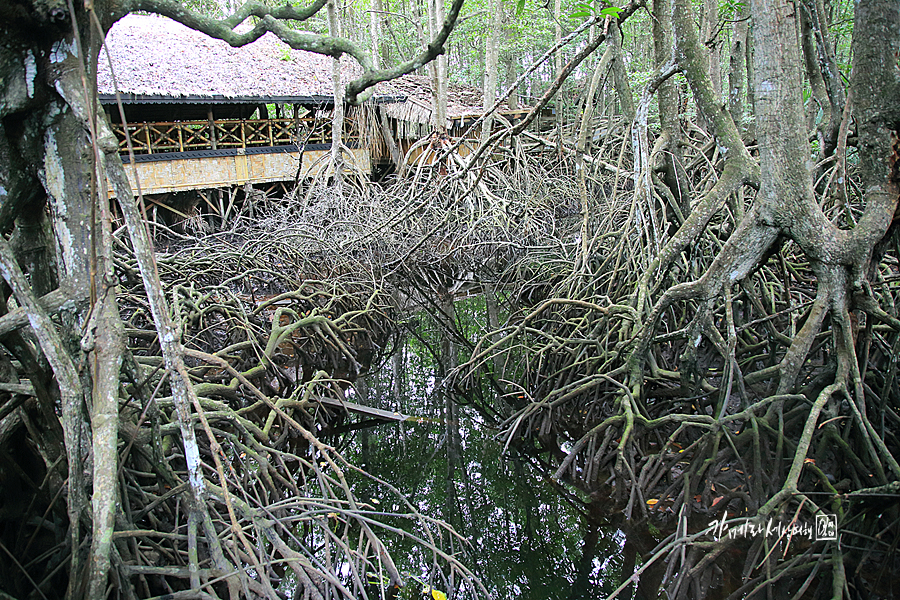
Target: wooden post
x,y
212,128
149,143
243,133
180,137
389,140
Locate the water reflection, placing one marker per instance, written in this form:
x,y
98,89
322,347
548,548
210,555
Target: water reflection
x,y
526,538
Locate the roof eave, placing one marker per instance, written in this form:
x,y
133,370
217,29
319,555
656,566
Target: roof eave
x,y
315,100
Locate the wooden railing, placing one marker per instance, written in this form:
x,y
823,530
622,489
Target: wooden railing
x,y
185,136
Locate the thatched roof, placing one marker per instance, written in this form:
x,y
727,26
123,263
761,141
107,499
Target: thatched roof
x,y
462,100
156,58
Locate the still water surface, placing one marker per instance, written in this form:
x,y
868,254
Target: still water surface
x,y
526,538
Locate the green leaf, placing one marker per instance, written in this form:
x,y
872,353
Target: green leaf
x,y
581,13
611,11
520,6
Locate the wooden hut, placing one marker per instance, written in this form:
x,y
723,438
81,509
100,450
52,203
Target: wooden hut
x,y
410,114
201,114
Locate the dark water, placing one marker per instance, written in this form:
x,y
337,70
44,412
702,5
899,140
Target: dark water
x,y
526,538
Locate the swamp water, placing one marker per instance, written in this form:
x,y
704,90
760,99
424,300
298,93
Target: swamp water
x,y
524,537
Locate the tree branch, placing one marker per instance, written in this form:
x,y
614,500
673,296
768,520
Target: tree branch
x,y
270,20
436,47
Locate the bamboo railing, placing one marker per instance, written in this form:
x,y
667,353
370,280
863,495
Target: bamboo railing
x,y
186,136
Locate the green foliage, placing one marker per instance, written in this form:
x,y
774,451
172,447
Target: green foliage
x,y
210,8
840,30
729,9
598,8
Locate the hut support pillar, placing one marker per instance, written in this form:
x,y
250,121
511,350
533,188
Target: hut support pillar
x,y
389,139
212,128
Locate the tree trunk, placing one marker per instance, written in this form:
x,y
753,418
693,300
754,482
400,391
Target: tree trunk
x,y
558,64
337,122
585,130
511,76
737,72
620,75
491,54
447,316
813,73
375,41
708,35
822,70
420,31
384,29
438,70
669,145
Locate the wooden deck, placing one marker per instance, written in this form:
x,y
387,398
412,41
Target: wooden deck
x,y
194,155
185,136
183,172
